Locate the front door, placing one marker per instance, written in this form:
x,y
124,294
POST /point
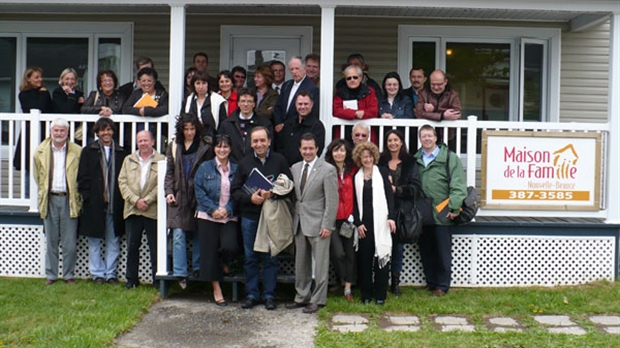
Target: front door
x,y
252,46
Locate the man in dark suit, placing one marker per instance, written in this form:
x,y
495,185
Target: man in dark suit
x,y
285,107
316,188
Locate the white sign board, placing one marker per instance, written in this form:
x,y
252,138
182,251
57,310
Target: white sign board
x,y
541,170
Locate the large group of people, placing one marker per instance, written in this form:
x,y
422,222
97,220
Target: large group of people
x,y
245,178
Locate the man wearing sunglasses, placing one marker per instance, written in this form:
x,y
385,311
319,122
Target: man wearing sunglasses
x,y
355,101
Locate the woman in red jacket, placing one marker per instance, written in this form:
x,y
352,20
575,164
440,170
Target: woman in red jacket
x,y
355,101
342,251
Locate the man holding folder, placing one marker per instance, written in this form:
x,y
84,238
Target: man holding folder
x,y
270,164
447,195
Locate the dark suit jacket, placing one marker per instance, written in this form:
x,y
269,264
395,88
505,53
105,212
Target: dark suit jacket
x,y
280,113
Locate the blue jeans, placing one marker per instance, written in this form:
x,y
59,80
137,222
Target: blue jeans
x,y
179,253
98,267
252,264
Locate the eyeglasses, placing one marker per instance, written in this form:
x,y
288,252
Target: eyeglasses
x,y
349,78
360,135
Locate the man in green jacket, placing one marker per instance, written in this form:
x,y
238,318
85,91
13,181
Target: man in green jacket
x,y
56,163
436,241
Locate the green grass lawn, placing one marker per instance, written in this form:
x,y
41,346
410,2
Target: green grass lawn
x,y
33,314
89,315
478,304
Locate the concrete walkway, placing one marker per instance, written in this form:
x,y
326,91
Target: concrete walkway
x,y
553,323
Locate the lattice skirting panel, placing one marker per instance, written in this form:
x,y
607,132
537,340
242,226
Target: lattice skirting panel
x,y
501,260
478,260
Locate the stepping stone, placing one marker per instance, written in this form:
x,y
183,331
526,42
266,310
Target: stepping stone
x,y
572,330
408,328
350,328
554,320
607,320
466,328
448,320
404,320
614,330
349,319
503,321
507,329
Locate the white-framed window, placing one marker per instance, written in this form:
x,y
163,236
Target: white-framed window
x,y
54,46
506,74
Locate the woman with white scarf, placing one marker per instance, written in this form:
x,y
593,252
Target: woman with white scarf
x,y
374,218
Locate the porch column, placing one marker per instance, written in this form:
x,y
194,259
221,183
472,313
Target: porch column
x,y
613,105
177,62
327,69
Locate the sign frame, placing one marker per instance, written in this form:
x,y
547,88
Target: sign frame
x,y
596,204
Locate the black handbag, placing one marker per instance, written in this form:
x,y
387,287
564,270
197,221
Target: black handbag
x,y
469,207
408,222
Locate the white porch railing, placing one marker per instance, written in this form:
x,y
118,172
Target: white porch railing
x,y
468,146
37,126
467,143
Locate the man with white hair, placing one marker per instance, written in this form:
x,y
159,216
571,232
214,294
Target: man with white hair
x,y
360,133
56,163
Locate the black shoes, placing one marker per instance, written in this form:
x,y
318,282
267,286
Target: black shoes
x,y
130,285
311,308
270,304
249,303
99,281
113,281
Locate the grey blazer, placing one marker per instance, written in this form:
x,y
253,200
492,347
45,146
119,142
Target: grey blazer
x,y
316,208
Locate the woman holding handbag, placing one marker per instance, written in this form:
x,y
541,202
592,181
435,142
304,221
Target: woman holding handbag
x,y
400,166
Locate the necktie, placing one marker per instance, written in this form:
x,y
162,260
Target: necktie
x,y
304,175
278,89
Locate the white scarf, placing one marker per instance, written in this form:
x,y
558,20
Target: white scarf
x,y
383,239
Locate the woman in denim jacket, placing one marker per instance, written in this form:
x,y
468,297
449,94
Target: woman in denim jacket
x,y
215,212
394,103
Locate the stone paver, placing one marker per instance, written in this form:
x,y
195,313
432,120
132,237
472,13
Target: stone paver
x,y
350,328
349,319
503,321
449,320
614,330
554,320
466,328
573,330
404,320
408,328
507,329
607,320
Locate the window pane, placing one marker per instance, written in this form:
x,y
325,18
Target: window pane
x,y
480,73
110,55
532,82
424,56
53,55
8,47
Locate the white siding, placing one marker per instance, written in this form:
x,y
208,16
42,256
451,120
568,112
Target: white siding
x,y
585,75
585,55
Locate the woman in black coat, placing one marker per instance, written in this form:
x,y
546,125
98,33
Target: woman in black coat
x,y
102,209
400,166
66,99
32,95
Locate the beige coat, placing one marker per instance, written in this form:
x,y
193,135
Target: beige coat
x,y
129,185
41,175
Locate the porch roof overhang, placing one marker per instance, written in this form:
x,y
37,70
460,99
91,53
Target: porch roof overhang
x,y
577,14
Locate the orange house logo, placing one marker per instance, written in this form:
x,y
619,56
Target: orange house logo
x,y
563,160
